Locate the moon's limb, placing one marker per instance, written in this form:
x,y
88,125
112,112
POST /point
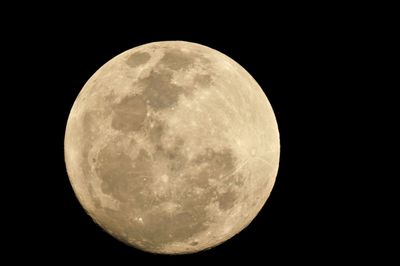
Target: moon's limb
x,y
172,147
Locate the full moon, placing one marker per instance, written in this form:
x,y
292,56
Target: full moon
x,y
172,147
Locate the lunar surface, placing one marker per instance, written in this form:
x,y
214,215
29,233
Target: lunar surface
x,y
172,147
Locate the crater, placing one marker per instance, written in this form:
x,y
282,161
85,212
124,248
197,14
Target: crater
x,y
175,156
93,196
89,120
129,114
200,173
169,151
137,59
163,228
159,91
203,80
89,131
121,177
227,200
214,164
176,59
156,132
116,220
114,169
211,178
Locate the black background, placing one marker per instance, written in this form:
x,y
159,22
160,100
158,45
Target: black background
x,y
302,60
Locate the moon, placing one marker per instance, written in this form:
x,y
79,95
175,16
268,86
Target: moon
x,y
172,147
